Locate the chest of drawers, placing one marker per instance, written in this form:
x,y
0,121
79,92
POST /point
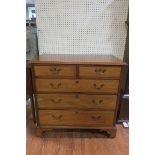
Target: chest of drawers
x,y
76,91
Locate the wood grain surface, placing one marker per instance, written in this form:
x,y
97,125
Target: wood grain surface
x,y
76,100
76,142
55,70
66,85
76,118
77,59
99,71
76,74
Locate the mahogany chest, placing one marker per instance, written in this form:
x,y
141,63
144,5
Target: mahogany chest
x,y
76,91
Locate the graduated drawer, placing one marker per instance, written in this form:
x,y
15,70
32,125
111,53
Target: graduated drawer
x,y
99,71
76,117
55,70
70,85
76,101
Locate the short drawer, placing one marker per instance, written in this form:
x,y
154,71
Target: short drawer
x,y
76,117
55,71
70,85
99,71
57,101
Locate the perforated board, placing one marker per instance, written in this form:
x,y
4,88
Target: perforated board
x,y
81,26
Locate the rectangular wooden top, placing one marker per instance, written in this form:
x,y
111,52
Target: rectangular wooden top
x,y
77,59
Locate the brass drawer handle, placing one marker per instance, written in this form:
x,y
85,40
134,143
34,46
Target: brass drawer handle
x,y
55,86
97,102
99,86
55,70
100,71
56,101
95,118
56,117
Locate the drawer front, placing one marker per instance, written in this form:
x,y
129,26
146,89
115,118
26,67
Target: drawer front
x,y
66,85
99,71
55,71
76,101
76,118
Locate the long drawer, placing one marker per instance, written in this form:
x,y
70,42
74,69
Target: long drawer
x,y
80,101
76,118
66,85
55,70
99,71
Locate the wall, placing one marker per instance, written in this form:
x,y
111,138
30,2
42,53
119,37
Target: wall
x,y
82,26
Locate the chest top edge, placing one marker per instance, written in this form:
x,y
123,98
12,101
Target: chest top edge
x,y
78,59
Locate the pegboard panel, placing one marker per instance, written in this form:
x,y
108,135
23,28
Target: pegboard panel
x,y
81,26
